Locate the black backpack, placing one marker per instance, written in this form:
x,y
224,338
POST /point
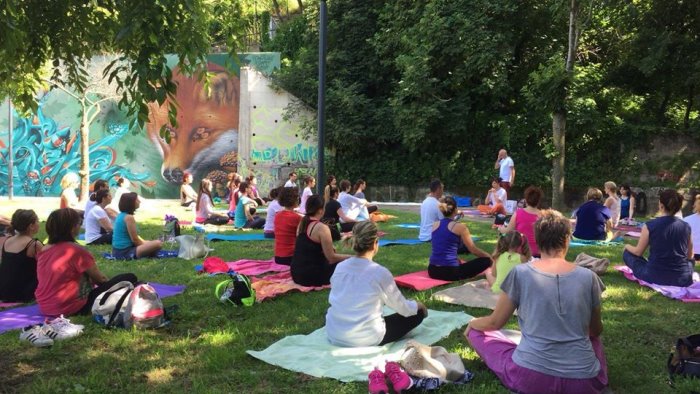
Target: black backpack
x,y
684,360
641,204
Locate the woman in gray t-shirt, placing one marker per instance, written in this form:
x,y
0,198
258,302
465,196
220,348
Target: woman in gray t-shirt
x,y
558,307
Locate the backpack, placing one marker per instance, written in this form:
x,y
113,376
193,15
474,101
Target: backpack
x,y
145,309
640,203
684,360
215,265
171,228
192,247
109,307
236,290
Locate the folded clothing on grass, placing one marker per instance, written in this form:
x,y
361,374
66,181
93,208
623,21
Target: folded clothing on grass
x,y
685,294
246,267
313,355
272,285
162,254
16,318
475,294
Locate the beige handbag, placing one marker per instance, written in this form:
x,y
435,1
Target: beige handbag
x,y
599,266
424,361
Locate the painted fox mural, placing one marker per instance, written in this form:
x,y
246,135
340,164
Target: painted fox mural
x,y
207,126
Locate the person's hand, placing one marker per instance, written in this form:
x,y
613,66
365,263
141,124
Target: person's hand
x,y
422,308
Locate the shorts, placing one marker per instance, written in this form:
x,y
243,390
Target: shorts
x,y
125,254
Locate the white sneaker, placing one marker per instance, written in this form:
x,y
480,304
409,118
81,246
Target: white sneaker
x,y
61,328
36,336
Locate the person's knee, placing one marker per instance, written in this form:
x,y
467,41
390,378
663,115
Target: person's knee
x,y
158,244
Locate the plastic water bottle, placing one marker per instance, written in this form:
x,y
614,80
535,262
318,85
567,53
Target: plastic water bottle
x,y
227,294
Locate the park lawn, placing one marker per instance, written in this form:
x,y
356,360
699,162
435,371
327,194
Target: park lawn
x,y
204,349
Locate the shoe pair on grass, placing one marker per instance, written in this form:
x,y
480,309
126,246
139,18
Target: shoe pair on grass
x,y
43,335
394,374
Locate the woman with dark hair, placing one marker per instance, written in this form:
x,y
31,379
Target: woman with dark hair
x,y
354,209
523,220
99,184
593,219
272,208
126,243
627,202
446,238
187,194
286,225
309,184
245,210
314,257
205,208
123,186
98,227
18,278
69,280
233,186
670,246
495,199
333,213
330,182
253,190
559,314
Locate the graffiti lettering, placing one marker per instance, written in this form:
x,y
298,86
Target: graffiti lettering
x,y
297,154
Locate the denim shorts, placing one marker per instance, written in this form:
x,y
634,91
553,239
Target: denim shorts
x,y
125,254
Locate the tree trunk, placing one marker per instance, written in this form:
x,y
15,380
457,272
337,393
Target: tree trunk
x,y
84,157
278,11
559,139
301,7
689,106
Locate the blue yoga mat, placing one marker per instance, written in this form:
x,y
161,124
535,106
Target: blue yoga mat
x,y
408,225
162,254
389,242
237,237
583,242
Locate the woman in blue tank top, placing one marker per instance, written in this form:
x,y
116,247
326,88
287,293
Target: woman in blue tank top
x,y
126,243
446,237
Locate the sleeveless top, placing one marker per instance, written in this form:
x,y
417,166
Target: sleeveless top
x,y
668,252
505,263
120,234
624,207
18,278
615,211
445,245
525,224
308,254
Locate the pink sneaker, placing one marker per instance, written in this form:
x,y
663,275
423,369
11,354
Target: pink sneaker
x,y
398,378
377,382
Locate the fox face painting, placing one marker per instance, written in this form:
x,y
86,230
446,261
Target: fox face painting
x,y
207,126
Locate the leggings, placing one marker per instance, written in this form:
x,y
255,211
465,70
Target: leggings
x,y
216,219
105,238
255,223
397,326
463,271
319,275
101,288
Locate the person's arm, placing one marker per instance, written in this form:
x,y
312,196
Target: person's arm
x,y
344,218
691,253
609,202
246,208
131,229
33,252
595,327
393,298
512,175
105,223
608,225
4,220
324,234
510,226
641,246
499,200
497,319
498,163
463,231
489,197
632,203
95,275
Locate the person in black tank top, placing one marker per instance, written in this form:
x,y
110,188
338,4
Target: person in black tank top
x,y
314,257
18,278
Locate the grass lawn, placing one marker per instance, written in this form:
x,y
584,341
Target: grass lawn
x,y
204,349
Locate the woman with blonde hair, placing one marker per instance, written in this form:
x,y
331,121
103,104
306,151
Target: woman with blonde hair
x,y
69,199
612,202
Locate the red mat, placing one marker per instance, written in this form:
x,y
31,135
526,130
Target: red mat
x,y
419,281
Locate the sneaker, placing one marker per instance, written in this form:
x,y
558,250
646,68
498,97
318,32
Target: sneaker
x,y
36,336
61,328
377,382
65,324
398,378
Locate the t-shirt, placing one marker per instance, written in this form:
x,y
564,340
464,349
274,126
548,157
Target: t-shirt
x,y
506,169
360,195
290,183
272,208
694,222
352,206
554,315
240,219
63,283
286,223
505,263
187,194
359,290
331,210
305,196
429,214
501,194
205,208
590,221
92,223
88,207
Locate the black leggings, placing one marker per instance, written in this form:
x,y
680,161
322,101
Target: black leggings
x,y
347,227
463,271
101,288
397,326
105,238
313,276
217,220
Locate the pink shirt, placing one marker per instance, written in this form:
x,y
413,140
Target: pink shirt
x,y
525,223
63,285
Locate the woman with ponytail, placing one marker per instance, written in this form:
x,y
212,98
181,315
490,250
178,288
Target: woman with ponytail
x,y
360,288
314,258
98,227
18,278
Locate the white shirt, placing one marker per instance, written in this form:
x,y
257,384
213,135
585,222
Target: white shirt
x,y
506,169
359,290
351,205
290,183
501,194
205,207
694,222
92,223
305,196
429,214
88,207
272,208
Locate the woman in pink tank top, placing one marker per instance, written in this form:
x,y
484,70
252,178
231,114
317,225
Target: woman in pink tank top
x,y
524,219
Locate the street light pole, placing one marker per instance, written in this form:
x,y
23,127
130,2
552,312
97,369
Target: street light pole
x,y
11,161
322,33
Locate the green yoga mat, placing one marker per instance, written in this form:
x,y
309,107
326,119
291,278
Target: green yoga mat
x,y
313,355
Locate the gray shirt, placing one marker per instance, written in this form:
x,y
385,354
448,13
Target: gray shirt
x,y
554,313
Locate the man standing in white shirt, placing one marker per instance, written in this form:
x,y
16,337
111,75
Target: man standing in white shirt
x,y
506,169
292,181
429,211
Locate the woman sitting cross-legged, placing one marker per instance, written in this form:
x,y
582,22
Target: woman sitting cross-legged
x,y
187,194
559,315
245,210
314,257
593,219
98,227
670,246
126,242
333,215
447,236
286,225
69,199
523,220
18,261
360,288
69,280
205,207
354,209
272,208
495,199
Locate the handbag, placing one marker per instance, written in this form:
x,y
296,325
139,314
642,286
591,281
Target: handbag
x,y
192,247
424,361
684,359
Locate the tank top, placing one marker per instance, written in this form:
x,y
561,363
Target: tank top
x,y
120,235
445,245
18,278
505,263
624,207
525,224
615,211
308,254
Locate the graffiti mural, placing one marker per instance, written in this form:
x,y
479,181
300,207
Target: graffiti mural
x,y
297,154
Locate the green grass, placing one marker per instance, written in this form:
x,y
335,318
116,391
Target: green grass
x,y
204,349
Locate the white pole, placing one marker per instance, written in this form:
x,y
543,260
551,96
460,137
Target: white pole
x,y
11,161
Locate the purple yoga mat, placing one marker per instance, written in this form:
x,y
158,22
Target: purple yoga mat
x,y
16,318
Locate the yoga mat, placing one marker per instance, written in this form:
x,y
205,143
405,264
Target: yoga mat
x,y
4,305
162,254
271,286
390,242
408,225
685,294
474,294
237,237
313,355
17,318
419,281
211,228
584,242
634,234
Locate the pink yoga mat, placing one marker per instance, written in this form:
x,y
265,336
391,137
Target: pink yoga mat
x,y
256,267
4,305
685,294
271,286
419,281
